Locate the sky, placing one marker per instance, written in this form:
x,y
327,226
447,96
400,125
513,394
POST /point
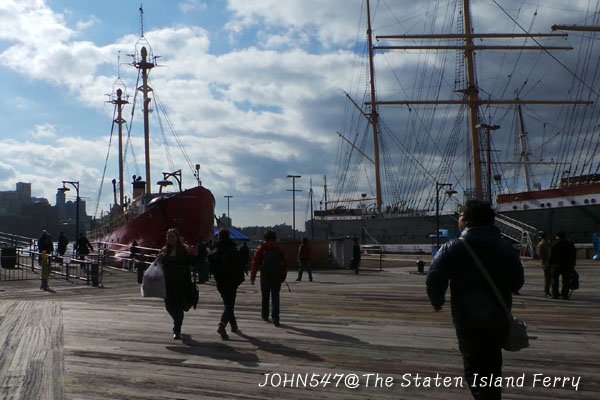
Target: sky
x,y
254,90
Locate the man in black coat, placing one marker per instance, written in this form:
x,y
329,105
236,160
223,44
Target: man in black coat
x,y
480,320
562,263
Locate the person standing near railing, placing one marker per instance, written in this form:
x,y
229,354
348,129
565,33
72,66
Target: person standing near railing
x,y
83,246
61,246
45,271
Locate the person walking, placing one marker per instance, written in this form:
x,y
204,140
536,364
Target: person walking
x,y
543,248
480,320
304,259
83,246
355,256
229,275
61,246
270,261
45,276
245,256
45,245
562,264
201,261
176,260
133,255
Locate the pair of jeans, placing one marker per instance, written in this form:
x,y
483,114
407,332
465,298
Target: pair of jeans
x,y
175,308
564,273
228,294
304,265
270,292
482,358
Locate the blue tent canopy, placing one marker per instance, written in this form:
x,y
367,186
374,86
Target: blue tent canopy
x,y
234,233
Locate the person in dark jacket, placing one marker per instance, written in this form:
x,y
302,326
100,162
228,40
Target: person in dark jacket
x,y
229,274
304,259
245,256
45,245
61,246
83,246
270,261
176,260
202,261
562,263
480,320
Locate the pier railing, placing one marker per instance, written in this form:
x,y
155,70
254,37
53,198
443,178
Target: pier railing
x,y
20,259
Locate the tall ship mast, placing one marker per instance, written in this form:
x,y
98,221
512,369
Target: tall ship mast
x,y
434,126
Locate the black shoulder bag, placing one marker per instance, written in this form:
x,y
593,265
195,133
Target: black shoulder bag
x,y
516,336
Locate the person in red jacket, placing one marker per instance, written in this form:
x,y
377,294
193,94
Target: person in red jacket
x,y
270,261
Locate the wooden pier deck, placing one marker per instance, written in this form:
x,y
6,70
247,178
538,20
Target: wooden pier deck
x,y
371,330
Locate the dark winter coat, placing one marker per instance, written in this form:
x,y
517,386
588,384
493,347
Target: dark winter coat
x,y
177,275
474,304
562,254
226,265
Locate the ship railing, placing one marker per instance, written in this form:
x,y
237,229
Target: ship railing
x,y
525,235
120,256
111,222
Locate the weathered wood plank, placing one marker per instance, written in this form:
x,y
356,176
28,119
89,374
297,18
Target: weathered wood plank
x,y
31,362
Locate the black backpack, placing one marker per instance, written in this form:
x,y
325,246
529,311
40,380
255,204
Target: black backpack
x,y
573,280
272,266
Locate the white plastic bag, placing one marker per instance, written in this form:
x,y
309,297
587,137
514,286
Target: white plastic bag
x,y
153,283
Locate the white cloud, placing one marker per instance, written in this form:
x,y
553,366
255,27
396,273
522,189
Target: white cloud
x,y
192,5
44,131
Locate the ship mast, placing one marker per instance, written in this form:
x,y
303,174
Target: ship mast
x,y
374,115
116,98
144,65
119,102
471,93
524,150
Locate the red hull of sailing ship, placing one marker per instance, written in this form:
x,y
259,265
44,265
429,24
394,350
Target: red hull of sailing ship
x,y
191,212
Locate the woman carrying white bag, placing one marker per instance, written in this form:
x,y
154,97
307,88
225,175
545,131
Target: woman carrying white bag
x,y
176,260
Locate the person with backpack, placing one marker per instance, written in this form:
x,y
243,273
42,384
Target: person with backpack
x,y
229,275
270,261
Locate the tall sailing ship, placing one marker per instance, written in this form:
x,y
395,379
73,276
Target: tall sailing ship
x,y
146,215
469,125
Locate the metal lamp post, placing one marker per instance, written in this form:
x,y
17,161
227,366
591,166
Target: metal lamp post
x,y
449,192
294,177
75,184
227,196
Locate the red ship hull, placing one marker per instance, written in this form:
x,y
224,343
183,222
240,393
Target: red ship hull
x,y
191,212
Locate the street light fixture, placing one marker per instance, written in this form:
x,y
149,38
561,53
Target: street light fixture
x,y
449,192
227,196
294,177
75,184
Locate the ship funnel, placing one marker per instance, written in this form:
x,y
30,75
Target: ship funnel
x,y
139,187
